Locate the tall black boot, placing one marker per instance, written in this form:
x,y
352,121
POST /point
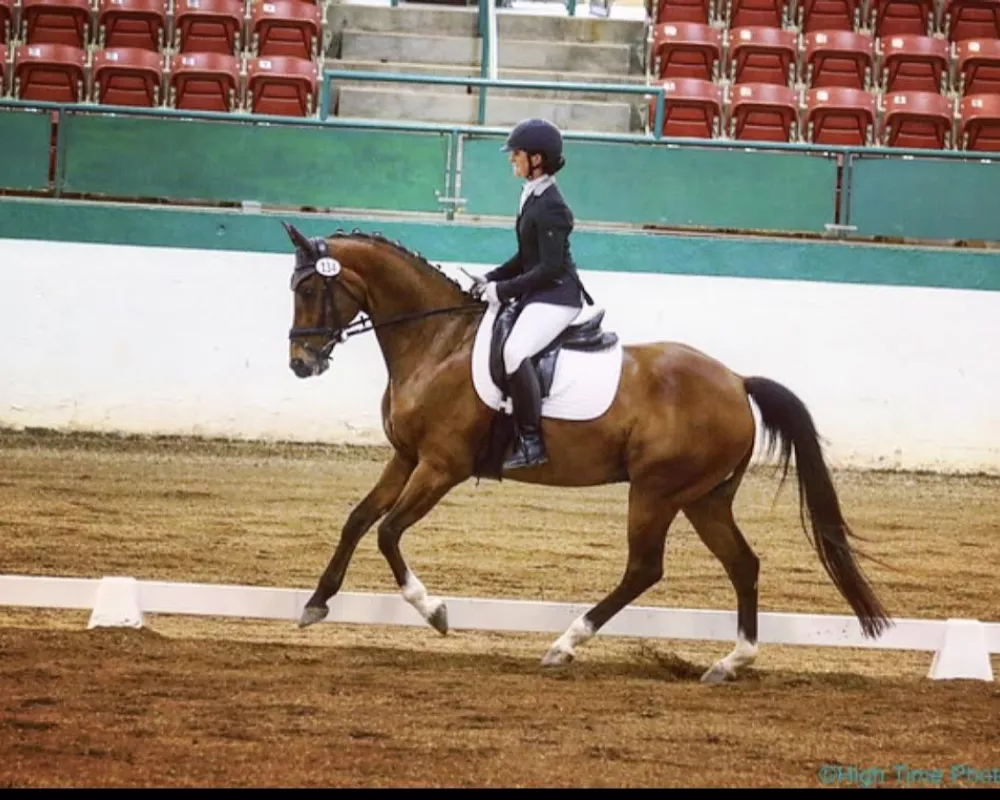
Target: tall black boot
x,y
527,398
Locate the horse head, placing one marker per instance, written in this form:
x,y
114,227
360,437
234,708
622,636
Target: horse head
x,y
324,305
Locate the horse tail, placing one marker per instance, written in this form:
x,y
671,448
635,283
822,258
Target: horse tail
x,y
787,421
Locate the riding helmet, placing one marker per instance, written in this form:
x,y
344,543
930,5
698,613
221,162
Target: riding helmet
x,y
537,136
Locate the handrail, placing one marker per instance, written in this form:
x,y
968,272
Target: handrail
x,y
484,130
488,55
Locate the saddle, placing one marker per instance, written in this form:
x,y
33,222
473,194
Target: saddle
x,y
585,336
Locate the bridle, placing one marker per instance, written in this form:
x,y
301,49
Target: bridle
x,y
320,262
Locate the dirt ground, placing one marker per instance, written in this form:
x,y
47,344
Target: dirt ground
x,y
243,703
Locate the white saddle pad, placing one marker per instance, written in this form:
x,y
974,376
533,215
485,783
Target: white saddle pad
x,y
583,386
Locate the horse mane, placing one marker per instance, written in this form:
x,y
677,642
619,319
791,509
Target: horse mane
x,y
415,258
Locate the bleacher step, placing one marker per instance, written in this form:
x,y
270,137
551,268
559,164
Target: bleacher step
x,y
607,59
368,102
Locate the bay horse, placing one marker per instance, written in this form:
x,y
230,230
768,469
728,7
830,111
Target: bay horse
x,y
680,431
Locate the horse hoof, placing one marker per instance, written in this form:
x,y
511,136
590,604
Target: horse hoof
x,y
313,614
717,674
439,619
556,657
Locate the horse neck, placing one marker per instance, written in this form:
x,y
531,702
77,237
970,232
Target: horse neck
x,y
396,287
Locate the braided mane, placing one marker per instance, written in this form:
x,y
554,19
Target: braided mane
x,y
413,257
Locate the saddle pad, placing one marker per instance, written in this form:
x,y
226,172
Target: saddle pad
x,y
583,385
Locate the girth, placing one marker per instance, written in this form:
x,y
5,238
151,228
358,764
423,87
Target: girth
x,y
586,336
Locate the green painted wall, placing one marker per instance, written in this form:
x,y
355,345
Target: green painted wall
x,y
492,243
24,150
658,185
131,157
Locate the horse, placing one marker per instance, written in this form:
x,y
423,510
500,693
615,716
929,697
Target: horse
x,y
680,430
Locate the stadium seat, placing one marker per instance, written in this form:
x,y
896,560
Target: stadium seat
x,y
912,63
282,85
685,11
3,70
693,108
917,120
6,21
895,17
979,123
830,15
208,26
742,13
285,28
970,19
132,23
839,115
977,66
686,50
764,112
50,72
205,82
56,22
838,58
762,55
127,76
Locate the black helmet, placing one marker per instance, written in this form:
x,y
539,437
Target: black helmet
x,y
538,136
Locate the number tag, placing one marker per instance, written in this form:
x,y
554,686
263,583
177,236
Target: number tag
x,y
328,267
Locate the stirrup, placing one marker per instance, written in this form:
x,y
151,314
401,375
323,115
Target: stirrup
x,y
529,453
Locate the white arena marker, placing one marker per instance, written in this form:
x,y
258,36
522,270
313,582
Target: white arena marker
x,y
963,652
116,604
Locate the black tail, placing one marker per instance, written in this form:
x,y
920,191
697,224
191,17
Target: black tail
x,y
788,421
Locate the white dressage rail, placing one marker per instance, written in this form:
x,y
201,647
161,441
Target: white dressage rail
x,y
962,647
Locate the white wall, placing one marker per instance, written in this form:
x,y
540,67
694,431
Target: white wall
x,y
157,340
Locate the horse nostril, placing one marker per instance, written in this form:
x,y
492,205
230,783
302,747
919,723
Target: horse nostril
x,y
298,366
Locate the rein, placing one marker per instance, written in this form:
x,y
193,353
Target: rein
x,y
364,325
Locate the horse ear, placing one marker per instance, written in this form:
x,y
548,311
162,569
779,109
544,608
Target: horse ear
x,y
300,241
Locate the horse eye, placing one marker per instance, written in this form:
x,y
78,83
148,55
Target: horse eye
x,y
307,294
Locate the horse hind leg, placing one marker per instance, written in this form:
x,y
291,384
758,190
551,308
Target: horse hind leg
x,y
712,518
649,519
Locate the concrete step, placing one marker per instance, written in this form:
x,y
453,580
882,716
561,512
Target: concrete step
x,y
504,74
504,110
512,24
555,56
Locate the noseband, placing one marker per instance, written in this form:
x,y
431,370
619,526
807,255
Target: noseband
x,y
318,261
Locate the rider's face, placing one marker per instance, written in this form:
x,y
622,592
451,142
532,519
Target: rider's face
x,y
519,161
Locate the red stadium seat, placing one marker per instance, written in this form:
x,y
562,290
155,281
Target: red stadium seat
x,y
830,15
764,112
894,17
838,58
127,76
50,72
762,55
6,21
285,28
282,85
132,23
971,19
979,123
912,63
742,13
205,82
840,116
693,109
685,11
917,120
977,66
56,22
208,26
686,50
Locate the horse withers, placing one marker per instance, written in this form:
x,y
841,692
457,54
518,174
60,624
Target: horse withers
x,y
679,429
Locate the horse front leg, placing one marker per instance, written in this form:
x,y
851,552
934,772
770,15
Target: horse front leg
x,y
426,486
359,522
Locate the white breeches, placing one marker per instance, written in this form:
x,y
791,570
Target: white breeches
x,y
537,325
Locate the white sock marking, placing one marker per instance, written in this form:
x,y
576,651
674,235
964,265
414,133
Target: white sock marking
x,y
415,593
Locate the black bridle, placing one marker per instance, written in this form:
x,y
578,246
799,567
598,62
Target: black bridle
x,y
319,262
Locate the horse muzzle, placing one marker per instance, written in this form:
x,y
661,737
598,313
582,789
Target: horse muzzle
x,y
309,368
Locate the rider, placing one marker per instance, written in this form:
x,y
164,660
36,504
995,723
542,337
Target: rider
x,y
541,275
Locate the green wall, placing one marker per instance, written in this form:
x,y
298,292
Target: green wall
x,y
397,167
603,250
